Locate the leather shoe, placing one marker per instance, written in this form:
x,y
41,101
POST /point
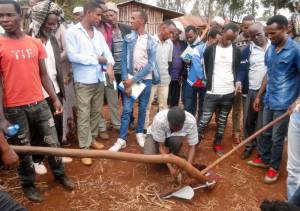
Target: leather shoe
x,y
32,194
97,145
67,183
87,161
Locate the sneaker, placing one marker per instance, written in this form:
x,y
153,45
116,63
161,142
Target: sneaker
x,y
40,168
32,194
87,161
103,135
67,159
218,150
258,163
120,144
140,137
271,176
97,145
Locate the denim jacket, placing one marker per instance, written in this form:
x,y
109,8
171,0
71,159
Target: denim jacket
x,y
127,59
283,75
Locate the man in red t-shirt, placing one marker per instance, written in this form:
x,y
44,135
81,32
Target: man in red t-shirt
x,y
23,73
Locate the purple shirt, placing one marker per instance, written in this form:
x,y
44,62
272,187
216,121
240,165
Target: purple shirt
x,y
177,63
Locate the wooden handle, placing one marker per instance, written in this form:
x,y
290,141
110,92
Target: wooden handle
x,y
250,138
131,157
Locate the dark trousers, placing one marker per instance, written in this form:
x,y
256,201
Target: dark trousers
x,y
296,198
9,204
192,95
174,93
271,142
34,118
58,121
211,103
151,147
118,80
252,120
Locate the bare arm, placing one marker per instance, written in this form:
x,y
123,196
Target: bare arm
x,y
48,86
163,150
256,104
4,124
191,155
9,158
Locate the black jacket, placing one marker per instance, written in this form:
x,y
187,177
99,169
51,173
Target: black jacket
x,y
209,61
125,29
60,77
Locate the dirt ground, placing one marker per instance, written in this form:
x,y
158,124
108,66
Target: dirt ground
x,y
116,185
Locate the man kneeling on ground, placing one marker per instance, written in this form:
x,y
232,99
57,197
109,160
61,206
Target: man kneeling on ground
x,y
167,131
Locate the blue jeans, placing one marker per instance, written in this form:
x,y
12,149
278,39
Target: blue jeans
x,y
35,118
8,203
191,96
293,163
271,142
128,104
295,199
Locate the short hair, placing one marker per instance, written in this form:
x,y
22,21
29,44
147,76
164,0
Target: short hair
x,y
14,3
277,206
279,19
168,23
231,26
213,33
191,28
249,18
143,15
90,6
176,116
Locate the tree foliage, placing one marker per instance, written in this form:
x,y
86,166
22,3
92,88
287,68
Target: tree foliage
x,y
276,4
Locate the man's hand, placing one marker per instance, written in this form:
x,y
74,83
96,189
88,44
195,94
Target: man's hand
x,y
102,60
127,92
58,107
111,74
128,83
256,104
238,88
4,124
10,159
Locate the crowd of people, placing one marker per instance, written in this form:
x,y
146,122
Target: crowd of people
x,y
56,77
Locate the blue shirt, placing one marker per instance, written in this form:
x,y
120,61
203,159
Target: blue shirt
x,y
83,52
283,76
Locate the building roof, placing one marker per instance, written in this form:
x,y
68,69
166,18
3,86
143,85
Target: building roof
x,y
167,12
197,21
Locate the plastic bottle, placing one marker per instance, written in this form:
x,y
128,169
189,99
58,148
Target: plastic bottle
x,y
12,130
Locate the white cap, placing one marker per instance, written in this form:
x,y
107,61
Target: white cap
x,y
179,26
219,20
112,6
77,9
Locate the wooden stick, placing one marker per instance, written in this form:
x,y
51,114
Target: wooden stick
x,y
131,157
250,138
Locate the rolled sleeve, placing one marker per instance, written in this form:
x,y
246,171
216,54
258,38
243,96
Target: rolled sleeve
x,y
193,136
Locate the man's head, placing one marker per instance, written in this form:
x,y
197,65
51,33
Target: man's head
x,y
10,16
298,6
77,14
138,19
176,118
257,34
246,22
178,32
92,13
213,36
166,30
230,33
277,27
49,26
217,23
191,34
111,13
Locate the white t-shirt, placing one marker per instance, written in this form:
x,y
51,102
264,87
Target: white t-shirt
x,y
51,68
140,54
223,79
160,129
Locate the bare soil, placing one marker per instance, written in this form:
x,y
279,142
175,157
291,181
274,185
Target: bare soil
x,y
116,185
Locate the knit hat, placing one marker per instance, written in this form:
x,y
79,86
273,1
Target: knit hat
x,y
40,12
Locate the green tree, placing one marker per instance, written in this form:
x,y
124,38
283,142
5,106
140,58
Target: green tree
x,y
276,4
